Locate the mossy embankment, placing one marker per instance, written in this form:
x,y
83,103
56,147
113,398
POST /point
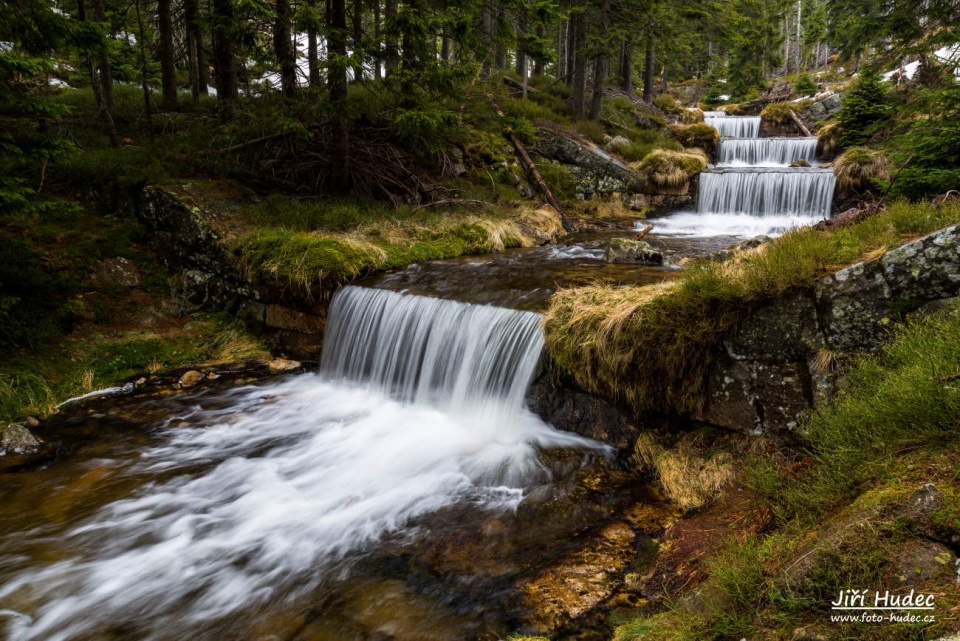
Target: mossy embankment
x,y
87,305
868,500
302,249
651,347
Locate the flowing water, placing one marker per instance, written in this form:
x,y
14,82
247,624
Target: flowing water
x,y
752,191
735,126
527,278
766,152
246,502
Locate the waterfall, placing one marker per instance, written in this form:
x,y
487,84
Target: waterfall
x,y
768,152
714,114
767,192
432,351
250,498
735,126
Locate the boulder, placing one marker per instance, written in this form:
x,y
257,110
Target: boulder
x,y
617,144
800,162
629,250
191,378
117,273
17,439
832,103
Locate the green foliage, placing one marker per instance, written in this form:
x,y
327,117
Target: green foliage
x,y
932,143
805,86
865,110
668,103
34,303
591,130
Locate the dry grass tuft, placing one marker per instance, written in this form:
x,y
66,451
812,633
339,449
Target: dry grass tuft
x,y
691,116
689,474
667,168
858,167
828,138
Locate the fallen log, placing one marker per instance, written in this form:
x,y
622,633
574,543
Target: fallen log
x,y
803,127
527,163
643,232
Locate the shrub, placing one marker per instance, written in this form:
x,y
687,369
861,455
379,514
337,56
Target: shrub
x,y
865,110
805,86
668,103
859,167
672,168
933,141
699,135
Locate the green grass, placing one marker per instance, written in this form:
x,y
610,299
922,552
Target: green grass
x,y
33,383
894,426
317,262
652,346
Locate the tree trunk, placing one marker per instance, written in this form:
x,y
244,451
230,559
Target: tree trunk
x,y
626,66
487,29
95,83
521,61
144,84
601,64
106,75
445,45
578,100
538,61
283,48
223,55
377,58
168,71
648,71
337,86
571,50
358,53
198,64
392,50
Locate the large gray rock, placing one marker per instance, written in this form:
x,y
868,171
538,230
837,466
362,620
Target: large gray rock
x,y
926,269
832,103
117,273
786,329
856,305
595,171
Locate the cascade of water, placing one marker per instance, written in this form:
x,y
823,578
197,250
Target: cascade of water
x,y
767,192
428,350
735,126
770,152
714,114
253,497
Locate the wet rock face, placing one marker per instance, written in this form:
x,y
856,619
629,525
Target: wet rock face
x,y
628,250
556,399
776,365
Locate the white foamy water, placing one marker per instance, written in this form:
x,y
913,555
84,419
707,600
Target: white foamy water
x,y
693,225
766,152
256,502
735,126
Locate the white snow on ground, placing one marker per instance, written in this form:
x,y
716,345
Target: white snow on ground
x,y
945,55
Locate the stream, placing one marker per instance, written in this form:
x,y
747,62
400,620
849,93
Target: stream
x,y
402,491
